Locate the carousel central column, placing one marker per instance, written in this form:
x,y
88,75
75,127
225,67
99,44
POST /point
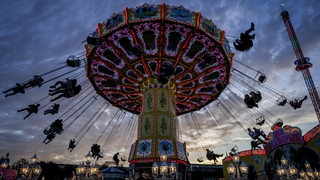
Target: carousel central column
x,y
158,121
157,130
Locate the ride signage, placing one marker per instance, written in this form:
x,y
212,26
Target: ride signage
x,y
285,135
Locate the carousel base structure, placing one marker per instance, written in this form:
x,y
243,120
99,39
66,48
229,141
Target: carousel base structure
x,y
287,154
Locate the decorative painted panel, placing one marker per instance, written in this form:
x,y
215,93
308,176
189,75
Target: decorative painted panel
x,y
145,12
147,125
132,150
149,101
165,147
181,151
162,100
163,126
144,148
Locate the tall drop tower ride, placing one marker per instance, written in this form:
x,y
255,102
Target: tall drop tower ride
x,y
302,63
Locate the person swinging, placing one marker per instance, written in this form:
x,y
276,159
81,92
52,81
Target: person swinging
x,y
32,108
72,144
255,136
116,158
250,102
56,127
255,144
296,104
34,82
49,137
259,132
63,85
53,110
256,96
245,42
212,156
252,99
68,93
66,89
281,101
95,150
19,88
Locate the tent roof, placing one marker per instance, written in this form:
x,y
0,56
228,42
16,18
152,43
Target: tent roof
x,y
112,170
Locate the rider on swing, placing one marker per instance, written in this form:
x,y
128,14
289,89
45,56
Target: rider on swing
x,y
55,128
53,110
35,81
212,156
296,104
245,42
95,150
252,101
67,89
255,144
72,144
19,88
259,132
255,136
49,138
116,158
32,108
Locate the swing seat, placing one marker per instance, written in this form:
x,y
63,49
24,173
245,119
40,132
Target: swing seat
x,y
282,101
235,149
260,121
200,159
262,78
123,158
73,61
277,124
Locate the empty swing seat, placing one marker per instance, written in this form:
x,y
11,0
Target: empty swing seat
x,y
262,78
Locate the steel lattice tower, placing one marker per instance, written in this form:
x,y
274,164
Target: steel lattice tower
x,y
302,63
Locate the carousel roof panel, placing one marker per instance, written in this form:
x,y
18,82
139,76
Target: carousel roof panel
x,y
132,45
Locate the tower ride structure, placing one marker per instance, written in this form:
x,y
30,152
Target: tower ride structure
x,y
302,63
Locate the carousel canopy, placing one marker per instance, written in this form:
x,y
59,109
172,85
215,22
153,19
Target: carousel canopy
x,y
145,42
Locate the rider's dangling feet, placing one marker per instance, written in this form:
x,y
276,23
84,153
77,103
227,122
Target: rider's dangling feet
x,y
252,26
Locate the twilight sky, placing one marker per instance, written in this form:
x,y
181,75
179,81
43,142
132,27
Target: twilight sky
x,y
37,37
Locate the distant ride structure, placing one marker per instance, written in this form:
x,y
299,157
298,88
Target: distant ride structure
x,y
302,63
160,62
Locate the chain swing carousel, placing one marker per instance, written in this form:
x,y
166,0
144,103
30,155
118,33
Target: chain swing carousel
x,y
157,62
160,62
